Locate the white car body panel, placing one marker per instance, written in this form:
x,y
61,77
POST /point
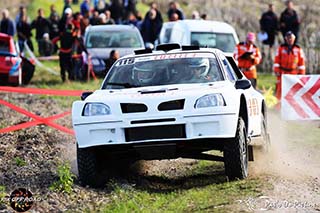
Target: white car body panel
x,y
211,122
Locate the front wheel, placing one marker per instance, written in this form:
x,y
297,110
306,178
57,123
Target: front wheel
x,y
88,167
236,154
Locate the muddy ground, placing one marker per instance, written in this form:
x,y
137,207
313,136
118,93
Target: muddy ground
x,y
291,169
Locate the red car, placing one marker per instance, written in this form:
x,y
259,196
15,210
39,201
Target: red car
x,y
14,69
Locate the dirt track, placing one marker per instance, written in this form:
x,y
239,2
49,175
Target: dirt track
x,y
292,169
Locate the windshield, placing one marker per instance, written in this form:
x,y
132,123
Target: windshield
x,y
111,39
163,70
4,46
222,41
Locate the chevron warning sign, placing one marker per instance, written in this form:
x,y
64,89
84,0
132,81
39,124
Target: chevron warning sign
x,y
300,97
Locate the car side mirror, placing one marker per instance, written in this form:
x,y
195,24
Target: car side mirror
x,y
243,84
84,95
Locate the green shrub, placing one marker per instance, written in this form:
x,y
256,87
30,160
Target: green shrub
x,y
66,178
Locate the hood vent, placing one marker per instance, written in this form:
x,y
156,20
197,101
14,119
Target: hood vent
x,y
133,108
171,105
152,91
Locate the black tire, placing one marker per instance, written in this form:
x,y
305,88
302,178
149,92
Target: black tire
x,y
236,154
266,144
88,167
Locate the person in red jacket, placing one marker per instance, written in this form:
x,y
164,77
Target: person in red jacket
x,y
248,56
289,60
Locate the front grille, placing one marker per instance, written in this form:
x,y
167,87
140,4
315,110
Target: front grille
x,y
155,132
153,121
133,108
171,105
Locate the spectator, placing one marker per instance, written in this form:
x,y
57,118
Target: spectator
x,y
95,3
76,20
24,33
79,70
290,21
131,20
195,15
65,20
54,26
150,27
129,6
154,6
289,60
53,12
109,20
42,26
269,24
65,53
101,7
114,55
94,20
116,11
102,19
175,8
6,25
85,22
174,17
67,4
85,7
248,56
204,16
46,47
22,11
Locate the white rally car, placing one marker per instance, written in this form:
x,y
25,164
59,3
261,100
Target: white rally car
x,y
168,103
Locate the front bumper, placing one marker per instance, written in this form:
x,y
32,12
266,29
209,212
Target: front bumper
x,y
161,129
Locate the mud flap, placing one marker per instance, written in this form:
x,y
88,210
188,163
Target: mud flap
x,y
250,151
27,70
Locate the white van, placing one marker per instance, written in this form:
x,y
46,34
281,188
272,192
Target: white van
x,y
200,32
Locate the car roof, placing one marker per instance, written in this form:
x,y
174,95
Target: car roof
x,y
157,52
202,25
113,27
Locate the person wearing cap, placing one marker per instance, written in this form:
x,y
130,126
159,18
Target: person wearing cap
x,y
45,46
248,56
66,19
289,59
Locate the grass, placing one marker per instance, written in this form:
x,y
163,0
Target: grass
x,y
266,80
3,194
211,198
19,161
65,181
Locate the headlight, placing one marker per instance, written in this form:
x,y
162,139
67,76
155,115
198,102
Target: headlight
x,y
211,100
94,109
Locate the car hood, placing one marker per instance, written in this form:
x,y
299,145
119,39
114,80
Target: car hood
x,y
105,52
162,93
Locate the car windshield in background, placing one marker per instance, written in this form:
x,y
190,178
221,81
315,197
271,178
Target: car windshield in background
x,y
111,39
163,70
222,41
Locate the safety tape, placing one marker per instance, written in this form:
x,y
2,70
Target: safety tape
x,y
38,119
38,63
38,91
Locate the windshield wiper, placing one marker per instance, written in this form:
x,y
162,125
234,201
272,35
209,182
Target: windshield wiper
x,y
125,85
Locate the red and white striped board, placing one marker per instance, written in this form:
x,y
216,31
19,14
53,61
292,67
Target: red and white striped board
x,y
300,97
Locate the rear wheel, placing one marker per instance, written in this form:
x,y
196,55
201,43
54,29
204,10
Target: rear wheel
x,y
236,154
